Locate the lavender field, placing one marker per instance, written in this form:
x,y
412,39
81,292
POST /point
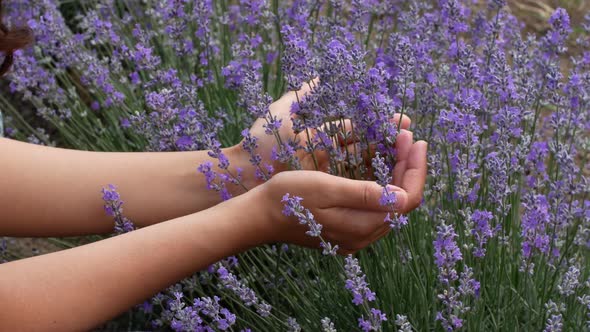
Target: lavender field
x,y
501,239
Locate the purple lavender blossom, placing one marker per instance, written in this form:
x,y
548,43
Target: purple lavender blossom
x,y
467,284
482,231
297,59
184,318
114,208
327,325
570,281
191,318
397,221
214,180
250,144
560,30
293,326
246,294
356,282
401,321
373,322
381,170
328,249
175,121
222,318
446,253
534,227
555,320
293,207
499,3
388,198
453,14
286,154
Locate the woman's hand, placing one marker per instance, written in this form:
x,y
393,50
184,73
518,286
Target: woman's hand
x,y
348,210
281,109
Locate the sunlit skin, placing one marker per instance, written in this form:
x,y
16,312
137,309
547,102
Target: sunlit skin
x,y
56,192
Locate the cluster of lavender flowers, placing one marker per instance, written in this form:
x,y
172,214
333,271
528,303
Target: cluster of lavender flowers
x,y
179,307
293,207
172,308
502,238
356,283
121,89
113,206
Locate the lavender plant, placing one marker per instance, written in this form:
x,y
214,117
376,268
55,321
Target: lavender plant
x,y
502,238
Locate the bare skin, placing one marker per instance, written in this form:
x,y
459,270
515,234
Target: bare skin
x,y
48,191
55,192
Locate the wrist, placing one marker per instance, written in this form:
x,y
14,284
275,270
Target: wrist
x,y
253,214
240,160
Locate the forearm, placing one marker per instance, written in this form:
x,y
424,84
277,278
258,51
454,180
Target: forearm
x,y
53,192
79,288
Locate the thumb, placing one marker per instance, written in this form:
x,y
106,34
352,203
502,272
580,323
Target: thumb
x,y
362,195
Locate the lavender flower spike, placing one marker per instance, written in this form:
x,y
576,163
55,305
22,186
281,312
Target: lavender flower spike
x,y
293,207
297,59
401,321
446,253
388,197
114,208
293,325
373,323
246,294
356,283
327,325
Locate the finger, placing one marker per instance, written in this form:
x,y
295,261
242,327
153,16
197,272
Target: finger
x,y
403,201
403,144
352,230
414,177
406,121
349,136
380,233
351,225
357,243
355,194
